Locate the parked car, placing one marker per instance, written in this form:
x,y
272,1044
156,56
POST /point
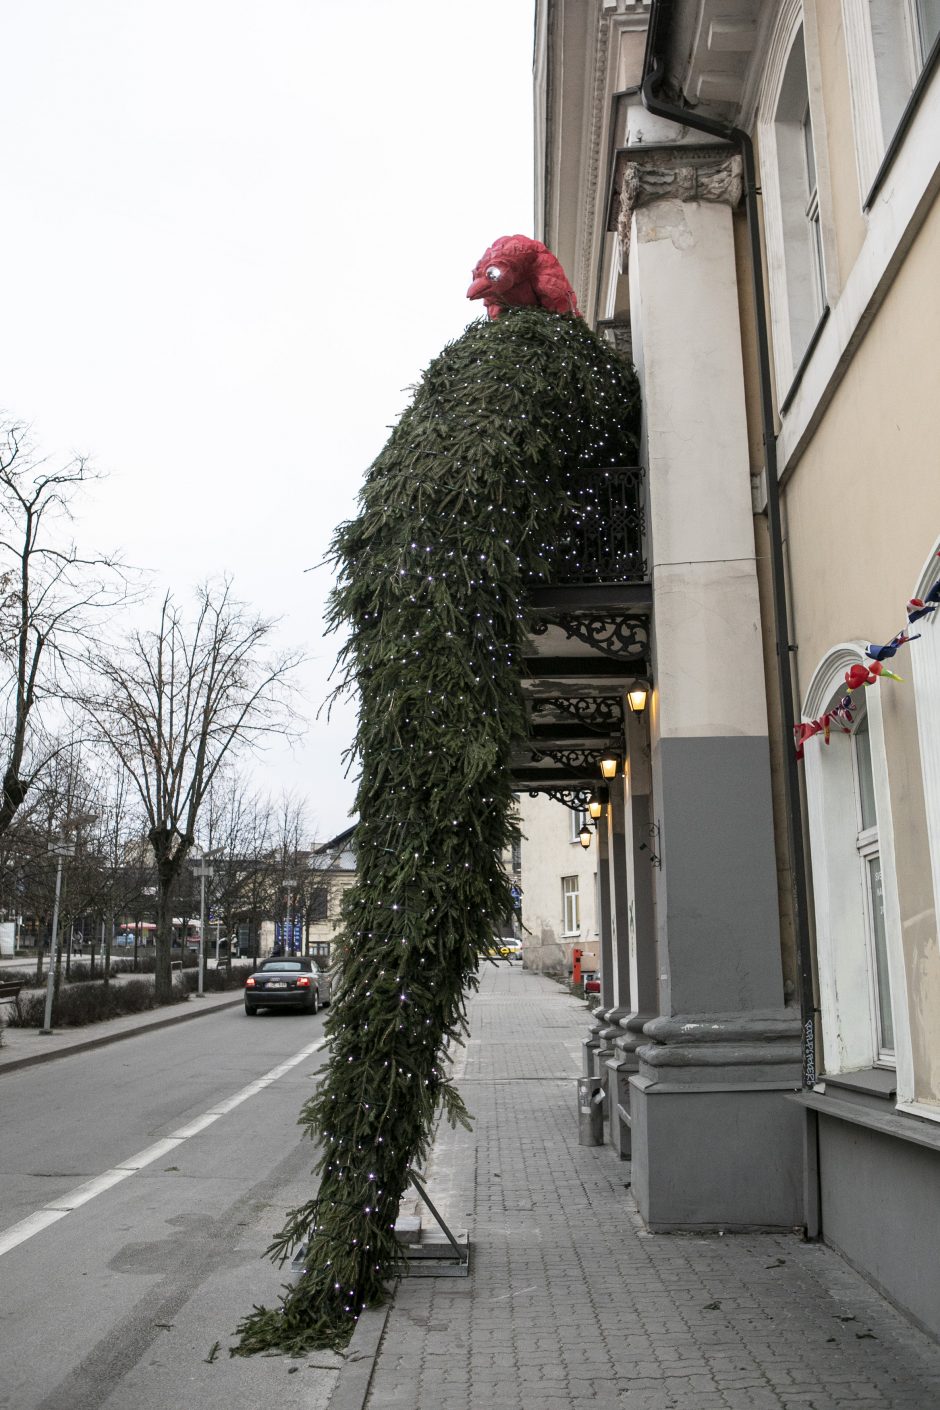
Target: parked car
x,y
283,983
504,948
326,979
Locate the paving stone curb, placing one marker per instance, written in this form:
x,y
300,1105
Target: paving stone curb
x,y
355,1380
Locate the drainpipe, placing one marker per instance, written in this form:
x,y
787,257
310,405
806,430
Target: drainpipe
x,y
659,107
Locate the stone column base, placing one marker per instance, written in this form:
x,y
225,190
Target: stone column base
x,y
716,1146
620,1069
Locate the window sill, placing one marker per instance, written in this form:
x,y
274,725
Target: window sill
x,y
870,1081
866,1102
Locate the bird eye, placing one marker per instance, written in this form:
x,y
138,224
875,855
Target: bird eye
x,y
494,273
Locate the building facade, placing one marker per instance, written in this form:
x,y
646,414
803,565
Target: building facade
x,y
744,195
559,888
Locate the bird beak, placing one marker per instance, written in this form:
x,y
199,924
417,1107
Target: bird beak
x,y
479,287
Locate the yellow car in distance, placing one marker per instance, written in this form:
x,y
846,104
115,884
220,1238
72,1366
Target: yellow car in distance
x,y
504,948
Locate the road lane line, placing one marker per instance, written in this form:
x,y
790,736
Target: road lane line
x,y
148,1156
83,1193
26,1228
58,1208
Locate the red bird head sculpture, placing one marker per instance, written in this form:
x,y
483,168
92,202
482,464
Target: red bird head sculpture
x,y
519,272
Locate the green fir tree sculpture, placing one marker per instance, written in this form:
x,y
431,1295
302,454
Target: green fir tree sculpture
x,y
462,514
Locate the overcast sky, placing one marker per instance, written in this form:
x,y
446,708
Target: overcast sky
x,y
234,233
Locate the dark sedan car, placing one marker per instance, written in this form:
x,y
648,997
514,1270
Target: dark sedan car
x,y
283,984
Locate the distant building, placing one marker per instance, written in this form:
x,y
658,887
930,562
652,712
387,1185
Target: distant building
x,y
559,881
333,867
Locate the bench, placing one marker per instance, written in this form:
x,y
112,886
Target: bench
x,y
9,991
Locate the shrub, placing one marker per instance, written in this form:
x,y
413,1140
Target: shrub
x,y
89,1003
216,981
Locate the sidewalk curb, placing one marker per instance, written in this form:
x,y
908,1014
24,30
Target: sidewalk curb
x,y
102,1041
355,1378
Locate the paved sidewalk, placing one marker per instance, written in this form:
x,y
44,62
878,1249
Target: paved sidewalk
x,y
573,1304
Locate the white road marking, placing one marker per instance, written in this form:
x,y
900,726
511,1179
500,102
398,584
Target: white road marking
x,y
89,1189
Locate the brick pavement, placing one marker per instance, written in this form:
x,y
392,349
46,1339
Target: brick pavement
x,y
573,1303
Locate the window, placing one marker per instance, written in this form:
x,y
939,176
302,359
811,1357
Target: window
x,y
855,895
319,904
873,892
887,44
579,819
798,196
570,905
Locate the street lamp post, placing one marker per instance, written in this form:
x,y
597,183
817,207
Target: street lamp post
x,y
202,871
61,850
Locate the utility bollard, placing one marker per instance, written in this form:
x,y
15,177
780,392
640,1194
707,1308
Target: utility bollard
x,y
590,1112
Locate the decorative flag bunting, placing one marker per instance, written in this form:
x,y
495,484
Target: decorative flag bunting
x,y
860,675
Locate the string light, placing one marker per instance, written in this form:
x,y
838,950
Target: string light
x,y
481,470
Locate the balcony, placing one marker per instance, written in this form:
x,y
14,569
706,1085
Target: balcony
x,y
589,634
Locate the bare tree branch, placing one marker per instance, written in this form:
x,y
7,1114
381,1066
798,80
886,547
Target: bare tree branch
x,y
174,705
50,596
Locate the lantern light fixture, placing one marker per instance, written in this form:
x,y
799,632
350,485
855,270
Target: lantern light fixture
x,y
584,837
609,766
595,807
636,699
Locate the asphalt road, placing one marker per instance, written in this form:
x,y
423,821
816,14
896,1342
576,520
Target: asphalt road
x,y
141,1183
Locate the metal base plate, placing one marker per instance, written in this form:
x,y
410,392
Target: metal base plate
x,y
435,1258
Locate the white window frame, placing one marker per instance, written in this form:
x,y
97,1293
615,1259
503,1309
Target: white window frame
x,y
868,846
925,667
845,957
579,819
866,53
925,670
802,263
570,905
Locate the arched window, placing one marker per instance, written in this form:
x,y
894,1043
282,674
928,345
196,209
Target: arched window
x,y
858,928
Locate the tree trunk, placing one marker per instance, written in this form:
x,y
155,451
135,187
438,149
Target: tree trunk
x,y
163,975
107,948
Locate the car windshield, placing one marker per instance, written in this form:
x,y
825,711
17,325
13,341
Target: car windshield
x,y
284,964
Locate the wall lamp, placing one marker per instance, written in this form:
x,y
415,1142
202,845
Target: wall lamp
x,y
609,766
584,836
636,699
595,808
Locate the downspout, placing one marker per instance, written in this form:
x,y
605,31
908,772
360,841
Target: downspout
x,y
659,107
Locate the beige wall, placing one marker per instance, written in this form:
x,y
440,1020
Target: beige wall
x,y
862,511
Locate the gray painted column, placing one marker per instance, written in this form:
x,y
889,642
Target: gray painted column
x,y
715,1145
640,858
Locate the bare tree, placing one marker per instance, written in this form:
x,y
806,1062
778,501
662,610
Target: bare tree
x,y
49,594
173,704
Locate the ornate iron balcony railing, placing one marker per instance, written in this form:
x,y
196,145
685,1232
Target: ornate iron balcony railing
x,y
605,535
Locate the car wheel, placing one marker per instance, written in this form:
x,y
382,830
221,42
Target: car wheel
x,y
251,1009
316,1001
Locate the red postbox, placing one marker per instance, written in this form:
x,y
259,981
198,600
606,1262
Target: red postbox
x,y
576,966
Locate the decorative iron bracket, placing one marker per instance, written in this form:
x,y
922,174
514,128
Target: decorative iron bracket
x,y
576,799
579,760
623,638
595,712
